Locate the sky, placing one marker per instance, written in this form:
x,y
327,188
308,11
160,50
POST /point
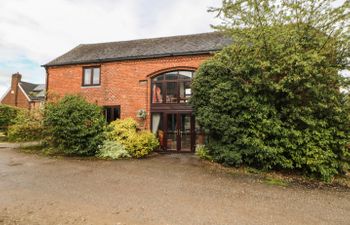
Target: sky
x,y
34,32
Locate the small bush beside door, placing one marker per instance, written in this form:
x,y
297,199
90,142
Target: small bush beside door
x,y
137,143
112,150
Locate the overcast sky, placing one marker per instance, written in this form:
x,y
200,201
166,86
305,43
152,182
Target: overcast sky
x,y
33,32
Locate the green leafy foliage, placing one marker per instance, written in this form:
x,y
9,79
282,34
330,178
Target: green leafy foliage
x,y
27,126
275,181
272,99
7,116
112,150
74,126
141,144
202,152
120,130
137,143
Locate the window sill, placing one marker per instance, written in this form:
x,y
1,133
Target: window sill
x,y
168,103
91,86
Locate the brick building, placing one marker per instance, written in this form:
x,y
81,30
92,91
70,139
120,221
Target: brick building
x,y
149,74
24,94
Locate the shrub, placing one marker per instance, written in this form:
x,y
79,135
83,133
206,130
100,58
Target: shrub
x,y
7,116
27,127
112,150
141,143
74,126
137,143
25,132
257,121
120,130
272,99
202,152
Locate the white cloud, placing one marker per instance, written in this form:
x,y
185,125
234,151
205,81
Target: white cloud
x,y
33,32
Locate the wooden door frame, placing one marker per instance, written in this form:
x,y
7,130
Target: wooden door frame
x,y
192,130
178,124
177,107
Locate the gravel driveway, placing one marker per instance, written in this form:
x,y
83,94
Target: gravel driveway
x,y
167,189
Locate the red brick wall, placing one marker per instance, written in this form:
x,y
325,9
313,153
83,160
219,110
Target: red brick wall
x,y
10,99
120,81
35,105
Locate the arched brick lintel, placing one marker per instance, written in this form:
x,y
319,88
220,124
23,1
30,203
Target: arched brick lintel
x,y
170,69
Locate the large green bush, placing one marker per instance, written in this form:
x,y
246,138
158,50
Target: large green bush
x,y
27,126
298,122
7,116
137,143
272,99
74,126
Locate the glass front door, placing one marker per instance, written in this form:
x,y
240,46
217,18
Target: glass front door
x,y
172,132
175,131
185,132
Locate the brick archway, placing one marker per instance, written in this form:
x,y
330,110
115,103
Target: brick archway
x,y
177,68
171,116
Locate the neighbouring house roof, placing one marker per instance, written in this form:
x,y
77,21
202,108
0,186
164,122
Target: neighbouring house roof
x,y
35,92
144,48
39,87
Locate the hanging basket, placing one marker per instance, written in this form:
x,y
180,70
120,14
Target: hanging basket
x,y
141,114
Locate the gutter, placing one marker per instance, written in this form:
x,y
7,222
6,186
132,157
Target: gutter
x,y
47,83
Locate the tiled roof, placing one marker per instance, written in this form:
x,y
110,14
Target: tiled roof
x,y
33,91
144,48
39,87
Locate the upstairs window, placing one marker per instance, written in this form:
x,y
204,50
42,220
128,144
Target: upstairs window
x,y
172,87
91,76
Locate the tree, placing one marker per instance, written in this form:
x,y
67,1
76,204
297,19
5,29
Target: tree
x,y
272,99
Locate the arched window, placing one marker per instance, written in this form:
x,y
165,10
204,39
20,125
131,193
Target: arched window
x,y
172,87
